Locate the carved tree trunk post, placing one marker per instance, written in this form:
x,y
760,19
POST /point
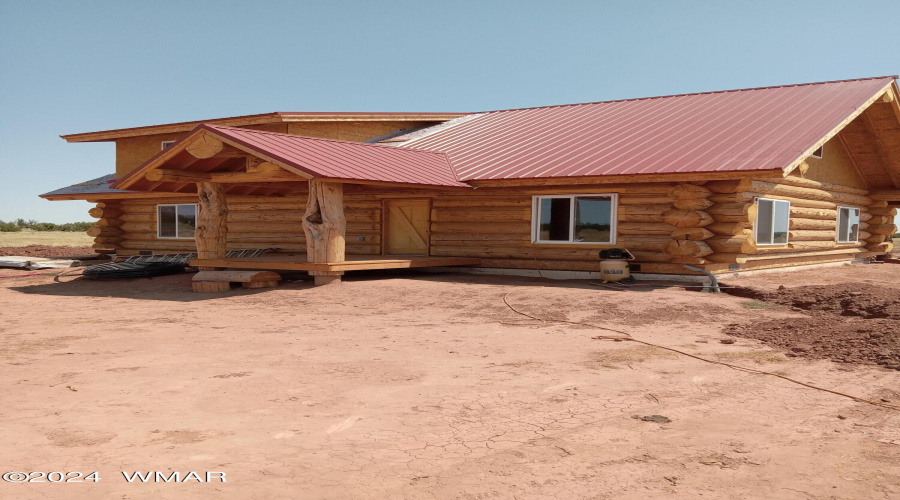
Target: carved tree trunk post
x,y
325,227
212,225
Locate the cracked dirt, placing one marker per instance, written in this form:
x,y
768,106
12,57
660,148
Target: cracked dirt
x,y
426,386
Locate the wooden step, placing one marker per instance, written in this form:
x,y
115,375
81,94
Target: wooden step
x,y
220,281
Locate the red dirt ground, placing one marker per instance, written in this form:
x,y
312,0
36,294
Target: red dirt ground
x,y
46,251
417,386
848,322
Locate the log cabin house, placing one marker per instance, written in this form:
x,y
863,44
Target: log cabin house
x,y
726,181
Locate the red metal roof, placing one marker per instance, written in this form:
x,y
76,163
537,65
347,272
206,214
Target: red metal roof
x,y
333,159
735,130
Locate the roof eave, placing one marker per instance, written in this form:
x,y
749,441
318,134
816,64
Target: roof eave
x,y
260,119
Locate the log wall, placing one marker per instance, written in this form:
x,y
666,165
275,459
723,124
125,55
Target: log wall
x,y
665,225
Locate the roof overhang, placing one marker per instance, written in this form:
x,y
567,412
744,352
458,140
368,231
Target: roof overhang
x,y
212,153
888,94
260,119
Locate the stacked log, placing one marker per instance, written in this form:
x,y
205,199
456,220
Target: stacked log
x,y
812,225
687,220
879,229
107,232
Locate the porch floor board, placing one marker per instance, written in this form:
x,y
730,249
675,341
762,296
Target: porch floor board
x,y
296,262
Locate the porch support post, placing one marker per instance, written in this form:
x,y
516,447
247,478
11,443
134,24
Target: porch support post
x,y
325,228
212,225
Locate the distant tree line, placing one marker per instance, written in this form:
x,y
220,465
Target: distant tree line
x,y
20,224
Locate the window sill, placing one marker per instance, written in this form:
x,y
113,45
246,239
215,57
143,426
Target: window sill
x,y
569,244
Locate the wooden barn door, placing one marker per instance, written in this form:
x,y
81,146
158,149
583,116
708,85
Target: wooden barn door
x,y
407,226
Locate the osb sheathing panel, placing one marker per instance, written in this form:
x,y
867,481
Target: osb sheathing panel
x,y
835,167
131,152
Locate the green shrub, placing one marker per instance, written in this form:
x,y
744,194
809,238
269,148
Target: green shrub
x,y
20,224
9,227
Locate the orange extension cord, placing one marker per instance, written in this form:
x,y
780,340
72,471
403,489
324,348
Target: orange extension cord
x,y
627,337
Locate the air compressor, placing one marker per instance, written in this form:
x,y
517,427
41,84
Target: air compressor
x,y
614,264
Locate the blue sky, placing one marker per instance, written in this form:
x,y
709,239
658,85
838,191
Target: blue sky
x,y
82,66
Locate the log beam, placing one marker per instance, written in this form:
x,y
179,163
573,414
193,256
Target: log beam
x,y
325,227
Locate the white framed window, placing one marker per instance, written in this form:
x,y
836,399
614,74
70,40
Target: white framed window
x,y
580,219
165,144
848,225
819,153
773,218
176,221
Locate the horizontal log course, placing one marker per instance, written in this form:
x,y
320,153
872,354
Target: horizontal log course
x,y
757,186
727,258
96,230
813,213
642,256
732,244
440,202
687,218
865,216
864,235
885,229
293,227
797,223
107,240
731,228
138,217
642,213
688,248
694,261
689,191
824,186
658,228
812,235
481,227
811,253
693,203
692,233
500,215
874,238
462,238
294,216
651,243
645,199
802,246
733,212
109,213
885,211
750,197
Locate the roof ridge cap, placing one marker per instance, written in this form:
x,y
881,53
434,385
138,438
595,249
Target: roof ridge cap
x,y
708,92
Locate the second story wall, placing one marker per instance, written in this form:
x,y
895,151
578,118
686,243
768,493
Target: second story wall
x,y
131,152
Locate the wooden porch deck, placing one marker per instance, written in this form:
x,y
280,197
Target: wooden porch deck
x,y
297,262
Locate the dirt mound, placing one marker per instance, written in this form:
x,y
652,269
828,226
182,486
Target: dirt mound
x,y
850,323
45,251
849,299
